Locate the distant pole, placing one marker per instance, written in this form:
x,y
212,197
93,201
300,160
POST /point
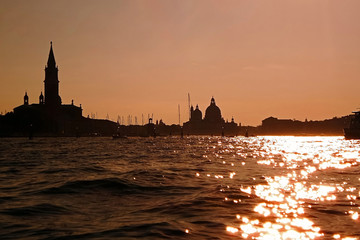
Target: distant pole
x,y
179,114
30,132
189,106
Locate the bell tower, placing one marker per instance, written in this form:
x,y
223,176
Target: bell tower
x,y
41,99
26,99
51,81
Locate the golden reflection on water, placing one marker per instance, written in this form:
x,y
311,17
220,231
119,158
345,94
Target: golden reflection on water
x,y
286,197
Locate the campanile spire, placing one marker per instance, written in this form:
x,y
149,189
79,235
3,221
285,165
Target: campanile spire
x,y
52,97
51,60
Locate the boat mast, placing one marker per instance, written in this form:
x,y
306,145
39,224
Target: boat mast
x,y
179,114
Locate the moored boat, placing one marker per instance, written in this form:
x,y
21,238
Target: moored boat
x,y
116,136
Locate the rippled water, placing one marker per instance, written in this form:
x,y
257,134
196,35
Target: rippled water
x,y
194,188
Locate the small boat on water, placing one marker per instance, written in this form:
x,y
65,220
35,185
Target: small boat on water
x,y
117,136
353,131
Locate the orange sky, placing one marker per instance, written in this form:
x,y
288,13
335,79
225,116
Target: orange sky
x,y
288,59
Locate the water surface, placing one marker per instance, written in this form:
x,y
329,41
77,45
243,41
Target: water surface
x,y
193,188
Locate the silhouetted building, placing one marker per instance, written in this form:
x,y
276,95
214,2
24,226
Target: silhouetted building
x,y
50,117
212,124
275,126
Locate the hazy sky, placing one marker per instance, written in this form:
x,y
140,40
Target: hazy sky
x,y
283,58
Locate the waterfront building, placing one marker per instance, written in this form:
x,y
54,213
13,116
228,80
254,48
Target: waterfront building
x,y
49,114
50,117
212,124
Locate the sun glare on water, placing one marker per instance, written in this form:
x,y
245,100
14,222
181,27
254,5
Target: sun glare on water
x,y
286,198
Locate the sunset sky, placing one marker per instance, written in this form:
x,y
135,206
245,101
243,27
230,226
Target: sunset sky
x,y
287,59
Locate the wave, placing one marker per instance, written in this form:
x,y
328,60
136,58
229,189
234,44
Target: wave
x,y
157,230
114,185
93,169
34,210
90,185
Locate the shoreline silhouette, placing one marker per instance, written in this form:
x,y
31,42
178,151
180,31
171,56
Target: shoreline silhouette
x,y
51,118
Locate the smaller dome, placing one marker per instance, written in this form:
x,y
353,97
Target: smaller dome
x,y
197,114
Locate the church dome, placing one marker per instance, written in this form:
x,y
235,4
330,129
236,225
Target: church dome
x,y
197,114
213,113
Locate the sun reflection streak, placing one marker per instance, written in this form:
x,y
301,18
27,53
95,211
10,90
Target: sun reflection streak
x,y
232,229
286,197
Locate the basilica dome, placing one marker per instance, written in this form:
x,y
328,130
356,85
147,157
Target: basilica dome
x,y
213,113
